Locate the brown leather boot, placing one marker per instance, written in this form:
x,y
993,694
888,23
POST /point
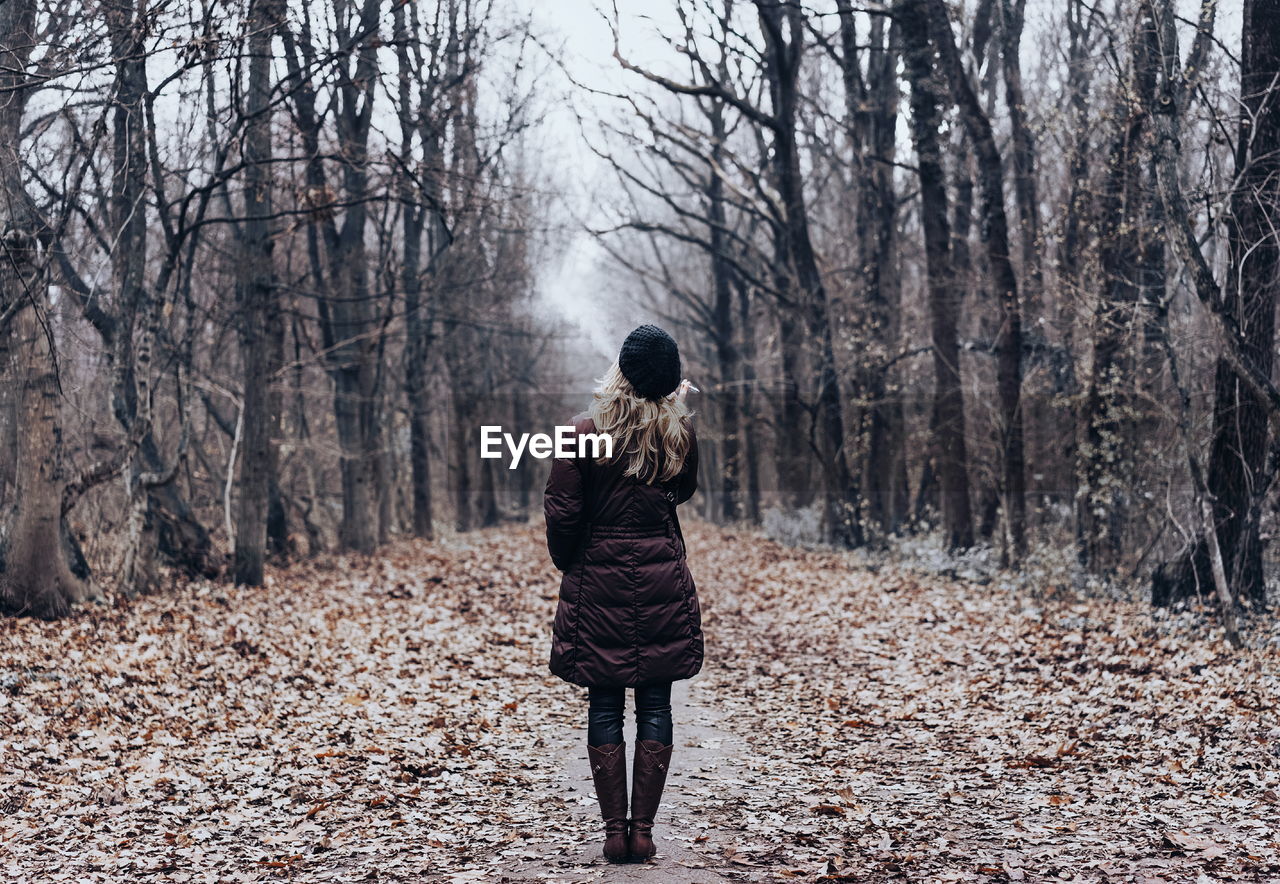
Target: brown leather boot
x,y
609,772
648,776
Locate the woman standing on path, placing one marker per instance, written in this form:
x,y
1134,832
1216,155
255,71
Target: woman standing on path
x,y
628,614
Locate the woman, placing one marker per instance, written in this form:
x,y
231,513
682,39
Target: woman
x,y
628,614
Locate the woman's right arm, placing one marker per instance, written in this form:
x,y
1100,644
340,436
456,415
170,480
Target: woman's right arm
x,y
562,504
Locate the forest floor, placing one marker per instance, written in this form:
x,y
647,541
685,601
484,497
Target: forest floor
x,y
392,719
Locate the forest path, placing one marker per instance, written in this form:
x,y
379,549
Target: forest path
x,y
392,719
706,774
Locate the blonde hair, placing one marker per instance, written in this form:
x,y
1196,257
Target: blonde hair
x,y
649,434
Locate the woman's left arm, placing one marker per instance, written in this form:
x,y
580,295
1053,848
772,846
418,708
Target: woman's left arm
x,y
688,478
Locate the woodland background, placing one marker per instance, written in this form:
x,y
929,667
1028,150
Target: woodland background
x,y
1002,271
981,300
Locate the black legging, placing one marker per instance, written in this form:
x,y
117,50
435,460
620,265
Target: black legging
x,y
653,714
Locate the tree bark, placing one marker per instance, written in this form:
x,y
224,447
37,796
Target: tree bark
x,y
420,211
752,446
947,421
345,314
1000,267
1073,244
260,321
1242,310
131,360
1106,427
790,419
1240,420
722,276
354,368
870,328
1025,188
36,577
783,29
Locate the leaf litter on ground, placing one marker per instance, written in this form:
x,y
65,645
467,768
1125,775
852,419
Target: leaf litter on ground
x,y
389,718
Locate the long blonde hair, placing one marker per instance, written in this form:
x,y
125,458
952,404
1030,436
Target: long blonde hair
x,y
651,435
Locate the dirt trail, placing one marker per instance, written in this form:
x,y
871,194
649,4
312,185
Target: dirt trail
x,y
707,777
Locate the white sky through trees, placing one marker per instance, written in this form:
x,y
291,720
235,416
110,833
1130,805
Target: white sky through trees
x,y
579,285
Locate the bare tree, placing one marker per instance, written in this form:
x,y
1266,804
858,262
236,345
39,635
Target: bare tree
x,y
806,332
1004,281
349,332
36,577
261,325
947,424
1106,425
869,326
422,59
1243,308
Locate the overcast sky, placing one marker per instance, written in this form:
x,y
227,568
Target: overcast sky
x,y
575,286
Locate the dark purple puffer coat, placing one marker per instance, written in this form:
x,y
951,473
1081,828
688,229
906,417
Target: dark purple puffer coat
x,y
628,613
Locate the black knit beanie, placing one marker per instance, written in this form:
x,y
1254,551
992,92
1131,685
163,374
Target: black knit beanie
x,y
650,361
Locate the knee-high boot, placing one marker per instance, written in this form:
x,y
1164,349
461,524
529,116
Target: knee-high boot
x,y
649,776
609,773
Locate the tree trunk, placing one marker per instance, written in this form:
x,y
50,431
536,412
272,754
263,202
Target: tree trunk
x,y
784,30
726,353
750,419
1012,15
1152,286
1106,428
1076,226
36,577
1240,422
871,327
353,365
261,326
416,211
345,315
278,542
1244,306
790,420
463,456
417,344
131,361
882,206
1003,279
947,422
